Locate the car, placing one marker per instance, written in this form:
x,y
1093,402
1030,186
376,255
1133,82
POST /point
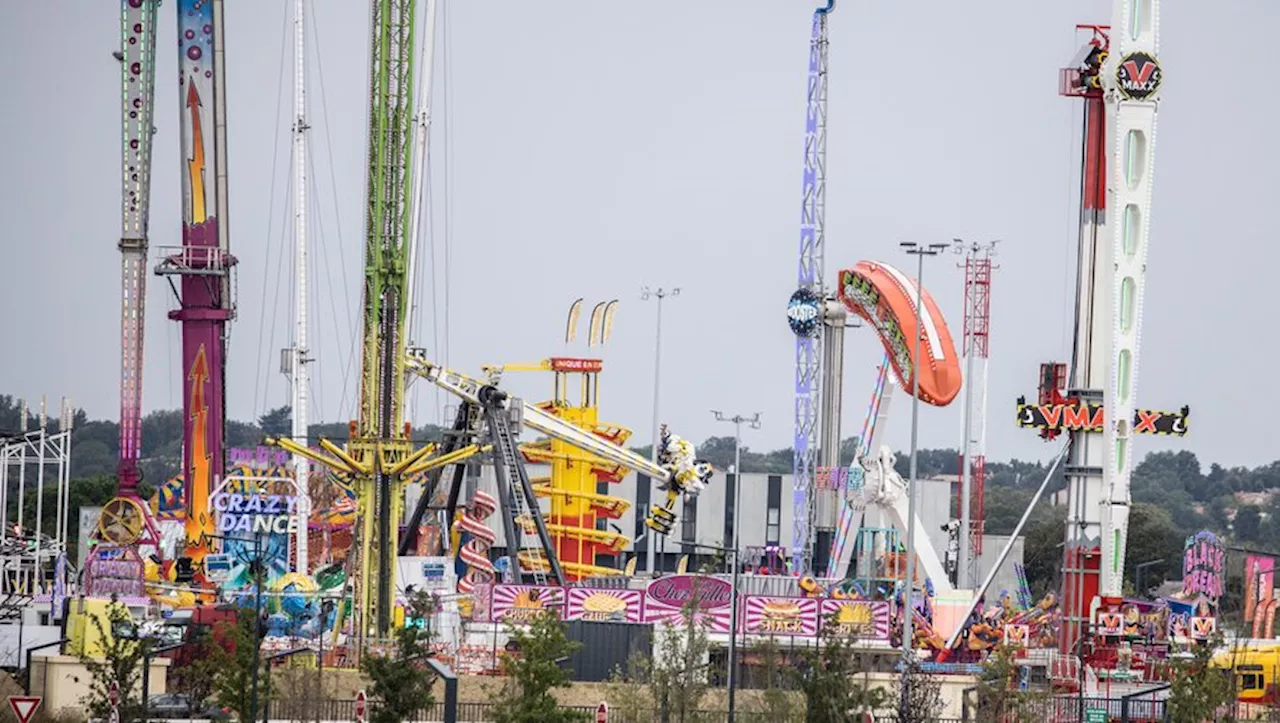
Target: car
x,y
180,705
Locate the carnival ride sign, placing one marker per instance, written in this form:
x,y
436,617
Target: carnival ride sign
x,y
1089,418
1203,563
256,512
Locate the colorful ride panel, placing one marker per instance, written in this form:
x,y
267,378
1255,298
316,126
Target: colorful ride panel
x,y
886,298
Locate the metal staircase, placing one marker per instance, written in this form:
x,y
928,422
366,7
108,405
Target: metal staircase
x,y
529,545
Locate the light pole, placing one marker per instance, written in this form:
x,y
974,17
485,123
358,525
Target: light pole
x,y
1137,574
753,422
660,294
919,252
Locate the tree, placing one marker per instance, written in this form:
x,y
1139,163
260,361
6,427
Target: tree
x,y
401,683
679,676
193,673
277,423
630,700
534,671
775,703
120,666
234,666
827,676
1199,691
1248,523
918,694
999,698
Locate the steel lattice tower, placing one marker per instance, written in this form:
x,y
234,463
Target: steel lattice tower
x,y
810,277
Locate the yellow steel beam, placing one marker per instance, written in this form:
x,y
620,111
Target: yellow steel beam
x,y
340,453
458,455
398,469
337,464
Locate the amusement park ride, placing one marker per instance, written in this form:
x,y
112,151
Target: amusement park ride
x,y
846,518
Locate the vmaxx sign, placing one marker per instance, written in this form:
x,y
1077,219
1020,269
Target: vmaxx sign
x,y
256,512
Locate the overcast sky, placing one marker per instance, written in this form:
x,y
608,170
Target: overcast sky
x,y
584,149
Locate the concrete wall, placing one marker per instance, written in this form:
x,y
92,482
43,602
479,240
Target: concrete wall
x,y
64,682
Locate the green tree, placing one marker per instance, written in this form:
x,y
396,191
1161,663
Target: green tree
x,y
277,423
1199,692
775,702
828,678
999,698
120,666
533,672
1248,523
630,700
679,675
401,683
918,695
234,666
193,674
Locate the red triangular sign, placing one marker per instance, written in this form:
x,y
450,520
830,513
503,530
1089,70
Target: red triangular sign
x,y
24,707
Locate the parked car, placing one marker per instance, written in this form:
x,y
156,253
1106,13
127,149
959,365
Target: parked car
x,y
179,705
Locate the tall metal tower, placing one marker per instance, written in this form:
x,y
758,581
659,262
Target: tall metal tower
x,y
381,443
807,306
126,519
203,263
977,331
295,359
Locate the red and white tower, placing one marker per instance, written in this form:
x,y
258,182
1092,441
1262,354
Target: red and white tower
x,y
977,334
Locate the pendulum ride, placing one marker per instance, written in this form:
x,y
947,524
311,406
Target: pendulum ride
x,y
576,506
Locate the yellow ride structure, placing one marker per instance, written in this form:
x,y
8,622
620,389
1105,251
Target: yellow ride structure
x,y
578,511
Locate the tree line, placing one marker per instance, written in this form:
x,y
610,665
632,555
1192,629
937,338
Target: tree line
x,y
1173,495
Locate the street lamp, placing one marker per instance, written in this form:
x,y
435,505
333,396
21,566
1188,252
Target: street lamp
x,y
660,294
919,252
733,612
1137,573
753,422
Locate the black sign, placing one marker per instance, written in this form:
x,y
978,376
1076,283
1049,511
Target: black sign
x,y
804,312
1138,76
1089,418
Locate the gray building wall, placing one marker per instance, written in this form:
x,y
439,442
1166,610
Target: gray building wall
x,y
766,519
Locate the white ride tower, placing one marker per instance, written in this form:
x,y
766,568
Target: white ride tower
x,y
1119,76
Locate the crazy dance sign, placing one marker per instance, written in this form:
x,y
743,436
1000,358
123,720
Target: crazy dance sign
x,y
256,512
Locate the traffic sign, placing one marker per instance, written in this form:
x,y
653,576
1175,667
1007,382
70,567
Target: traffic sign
x,y
24,706
1095,715
113,695
602,713
361,708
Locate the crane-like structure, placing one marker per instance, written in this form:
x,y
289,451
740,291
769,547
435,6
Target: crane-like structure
x,y
973,441
199,271
125,520
808,302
